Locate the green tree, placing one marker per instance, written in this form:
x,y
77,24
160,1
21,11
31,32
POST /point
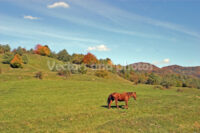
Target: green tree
x,y
153,79
63,56
4,48
20,51
25,59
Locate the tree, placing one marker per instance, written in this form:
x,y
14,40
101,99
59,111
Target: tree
x,y
77,58
7,57
19,51
4,48
153,79
106,61
53,55
42,50
16,62
63,56
25,59
89,59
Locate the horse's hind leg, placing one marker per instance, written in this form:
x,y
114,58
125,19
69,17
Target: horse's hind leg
x,y
116,103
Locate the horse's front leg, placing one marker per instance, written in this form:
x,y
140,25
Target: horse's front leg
x,y
109,104
126,102
116,100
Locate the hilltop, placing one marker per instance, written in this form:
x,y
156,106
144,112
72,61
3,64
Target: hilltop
x,y
190,71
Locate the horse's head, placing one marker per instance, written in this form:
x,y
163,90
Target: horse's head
x,y
134,95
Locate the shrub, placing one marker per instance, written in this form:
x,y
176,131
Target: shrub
x,y
166,84
7,57
82,69
39,75
65,73
16,62
158,87
101,73
25,59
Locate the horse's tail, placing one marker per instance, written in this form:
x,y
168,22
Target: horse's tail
x,y
110,98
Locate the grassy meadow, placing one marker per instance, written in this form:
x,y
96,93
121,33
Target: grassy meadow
x,y
78,104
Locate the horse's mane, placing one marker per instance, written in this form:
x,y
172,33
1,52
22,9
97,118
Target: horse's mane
x,y
129,93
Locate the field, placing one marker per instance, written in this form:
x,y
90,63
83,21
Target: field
x,y
78,104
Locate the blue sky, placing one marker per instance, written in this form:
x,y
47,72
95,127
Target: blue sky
x,y
162,32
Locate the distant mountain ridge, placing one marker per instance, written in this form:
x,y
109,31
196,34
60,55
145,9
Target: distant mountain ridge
x,y
190,71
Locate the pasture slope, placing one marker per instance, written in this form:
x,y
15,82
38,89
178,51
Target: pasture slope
x,y
78,104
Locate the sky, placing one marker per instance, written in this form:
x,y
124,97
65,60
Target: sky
x,y
161,32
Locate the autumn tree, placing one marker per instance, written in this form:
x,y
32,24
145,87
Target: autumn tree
x,y
89,59
77,58
42,50
16,62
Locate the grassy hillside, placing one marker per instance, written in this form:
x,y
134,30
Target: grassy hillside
x,y
78,103
36,63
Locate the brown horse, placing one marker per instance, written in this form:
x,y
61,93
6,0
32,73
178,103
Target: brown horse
x,y
120,97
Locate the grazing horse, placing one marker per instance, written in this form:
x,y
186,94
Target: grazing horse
x,y
120,97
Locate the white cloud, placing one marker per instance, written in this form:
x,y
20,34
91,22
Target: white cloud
x,y
30,17
59,4
163,62
101,47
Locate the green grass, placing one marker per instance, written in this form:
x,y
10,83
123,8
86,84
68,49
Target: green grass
x,y
78,104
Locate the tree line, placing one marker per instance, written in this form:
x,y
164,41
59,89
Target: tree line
x,y
18,57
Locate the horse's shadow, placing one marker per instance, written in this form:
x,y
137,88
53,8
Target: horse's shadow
x,y
113,107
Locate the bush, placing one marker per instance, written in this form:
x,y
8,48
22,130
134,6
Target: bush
x,y
82,69
166,84
25,59
65,73
39,75
101,73
7,57
16,62
158,87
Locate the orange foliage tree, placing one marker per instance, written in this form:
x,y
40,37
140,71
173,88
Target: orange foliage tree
x,y
90,59
42,50
16,62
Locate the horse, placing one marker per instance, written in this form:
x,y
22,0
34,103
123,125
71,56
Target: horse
x,y
120,97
